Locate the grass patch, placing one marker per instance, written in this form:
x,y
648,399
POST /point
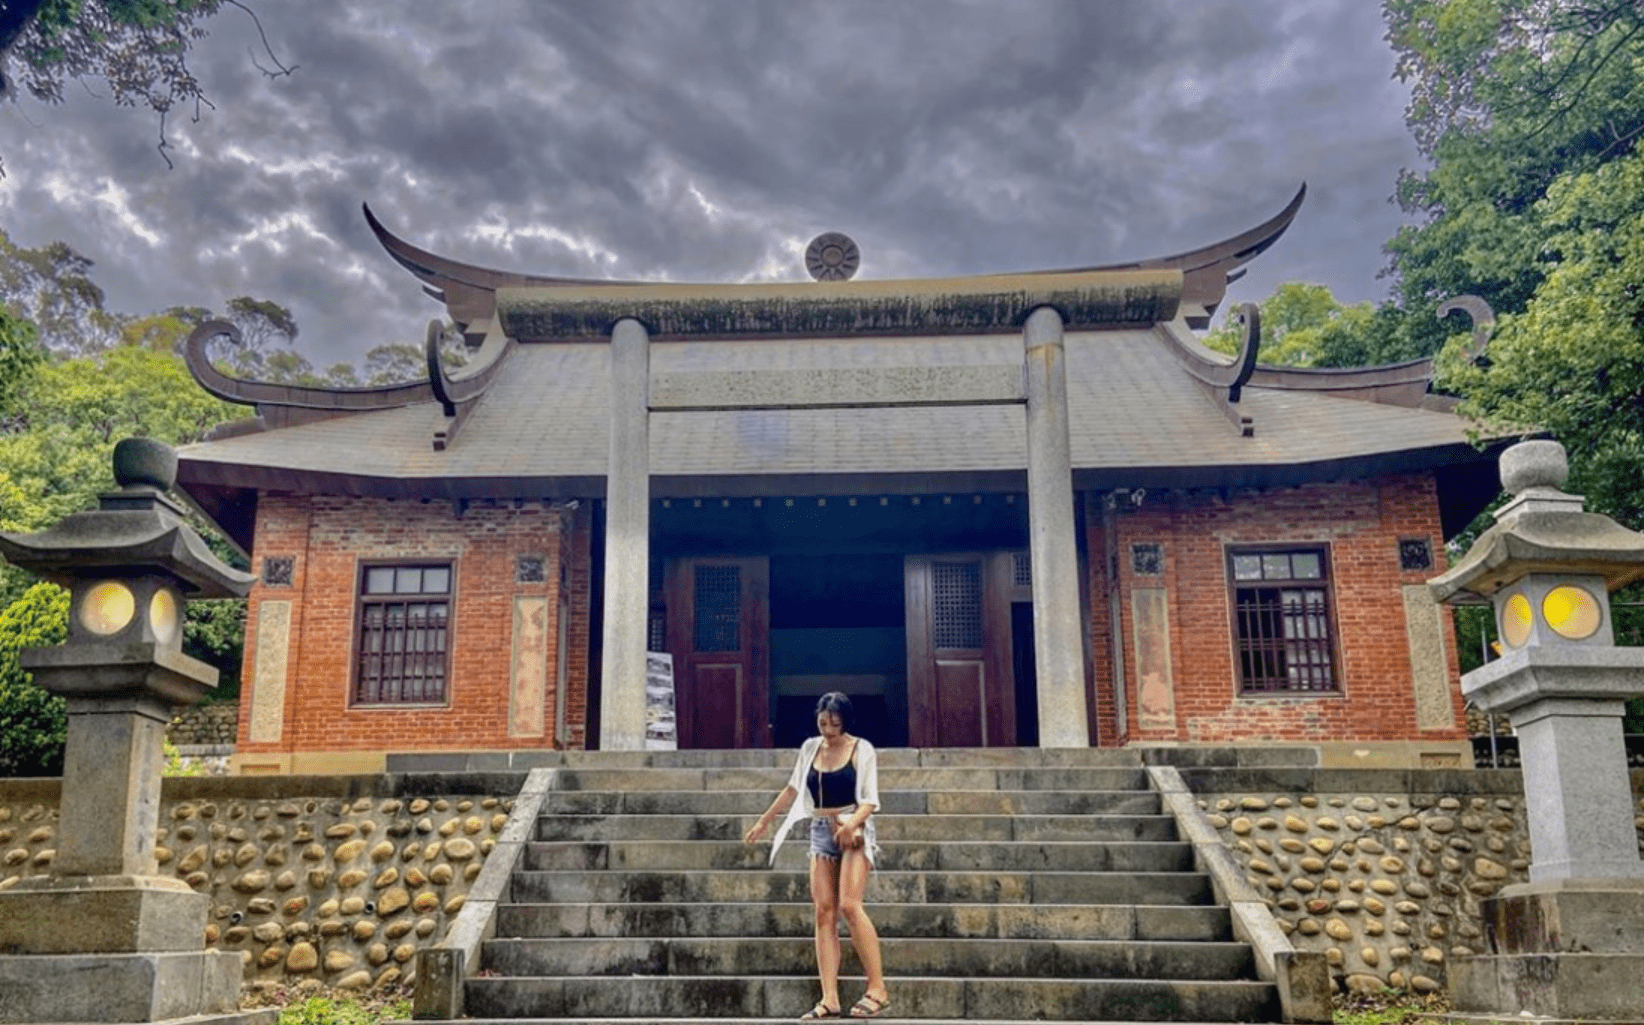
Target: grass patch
x,y
301,1005
1389,1007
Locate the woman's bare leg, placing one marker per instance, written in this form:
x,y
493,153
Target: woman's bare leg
x,y
825,896
853,884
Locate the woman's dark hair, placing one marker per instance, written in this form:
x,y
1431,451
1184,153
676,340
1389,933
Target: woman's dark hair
x,y
836,703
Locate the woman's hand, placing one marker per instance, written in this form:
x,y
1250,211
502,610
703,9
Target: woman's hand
x,y
847,834
755,832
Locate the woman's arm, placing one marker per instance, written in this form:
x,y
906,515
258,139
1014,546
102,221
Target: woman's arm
x,y
783,801
867,786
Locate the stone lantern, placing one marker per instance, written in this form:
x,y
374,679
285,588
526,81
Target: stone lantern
x,y
1570,942
132,940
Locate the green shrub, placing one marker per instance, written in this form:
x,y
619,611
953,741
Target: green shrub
x,y
175,766
33,722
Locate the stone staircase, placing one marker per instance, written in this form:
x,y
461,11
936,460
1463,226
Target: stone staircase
x,y
1012,885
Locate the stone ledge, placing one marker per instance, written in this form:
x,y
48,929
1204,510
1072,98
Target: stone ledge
x,y
117,987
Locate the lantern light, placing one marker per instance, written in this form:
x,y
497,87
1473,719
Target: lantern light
x,y
108,606
1515,620
1572,612
163,615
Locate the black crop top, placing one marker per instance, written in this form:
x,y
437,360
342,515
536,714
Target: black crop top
x,y
835,789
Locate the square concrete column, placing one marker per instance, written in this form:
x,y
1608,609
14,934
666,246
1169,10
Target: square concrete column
x,y
1581,811
111,767
1058,634
627,542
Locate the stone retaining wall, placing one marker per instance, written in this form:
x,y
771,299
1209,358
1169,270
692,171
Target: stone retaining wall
x,y
205,725
1381,871
313,880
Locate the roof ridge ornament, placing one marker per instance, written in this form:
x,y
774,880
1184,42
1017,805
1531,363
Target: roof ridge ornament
x,y
832,256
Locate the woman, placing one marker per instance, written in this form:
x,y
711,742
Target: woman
x,y
835,784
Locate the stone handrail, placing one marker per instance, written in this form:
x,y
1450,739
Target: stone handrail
x,y
442,968
1303,977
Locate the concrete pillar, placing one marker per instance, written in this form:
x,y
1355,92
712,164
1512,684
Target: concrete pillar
x,y
1058,638
111,783
627,542
1581,812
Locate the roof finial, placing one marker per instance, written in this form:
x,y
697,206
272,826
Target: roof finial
x,y
832,256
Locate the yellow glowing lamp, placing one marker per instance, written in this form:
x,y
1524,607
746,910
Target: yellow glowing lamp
x,y
144,608
1549,608
1572,612
107,607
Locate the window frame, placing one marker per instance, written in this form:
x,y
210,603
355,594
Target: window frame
x,y
356,700
1325,584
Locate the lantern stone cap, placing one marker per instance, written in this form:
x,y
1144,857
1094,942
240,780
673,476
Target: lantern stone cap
x,y
134,531
1542,530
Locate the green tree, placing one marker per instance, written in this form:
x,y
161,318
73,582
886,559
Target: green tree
x,y
1305,326
20,359
33,722
139,48
1572,362
51,286
1507,97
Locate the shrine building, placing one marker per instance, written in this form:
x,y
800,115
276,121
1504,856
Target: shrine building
x,y
1025,509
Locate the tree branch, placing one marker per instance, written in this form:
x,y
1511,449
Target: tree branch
x,y
268,49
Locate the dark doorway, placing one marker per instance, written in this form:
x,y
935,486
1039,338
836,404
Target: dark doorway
x,y
837,624
1027,684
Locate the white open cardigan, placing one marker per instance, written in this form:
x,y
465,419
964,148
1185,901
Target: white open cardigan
x,y
867,788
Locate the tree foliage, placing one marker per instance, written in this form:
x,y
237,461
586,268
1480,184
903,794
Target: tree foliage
x,y
52,287
1572,362
1508,97
1305,326
33,722
138,48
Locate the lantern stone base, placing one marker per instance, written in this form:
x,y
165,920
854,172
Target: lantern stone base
x,y
101,915
150,987
112,949
1573,949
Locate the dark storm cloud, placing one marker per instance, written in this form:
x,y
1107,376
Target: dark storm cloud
x,y
709,140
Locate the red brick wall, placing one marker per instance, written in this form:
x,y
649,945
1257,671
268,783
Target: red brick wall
x,y
329,537
1362,523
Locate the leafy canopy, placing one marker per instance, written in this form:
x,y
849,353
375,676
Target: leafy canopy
x,y
138,48
33,722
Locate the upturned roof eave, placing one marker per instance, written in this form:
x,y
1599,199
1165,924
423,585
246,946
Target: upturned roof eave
x,y
468,290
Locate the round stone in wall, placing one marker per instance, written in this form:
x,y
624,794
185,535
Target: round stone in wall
x,y
832,256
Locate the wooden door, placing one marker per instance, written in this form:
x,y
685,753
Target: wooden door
x,y
961,691
718,634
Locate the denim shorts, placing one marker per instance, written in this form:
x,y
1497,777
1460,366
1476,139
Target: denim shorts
x,y
822,845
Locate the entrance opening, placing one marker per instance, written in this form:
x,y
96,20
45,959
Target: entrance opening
x,y
838,623
1027,684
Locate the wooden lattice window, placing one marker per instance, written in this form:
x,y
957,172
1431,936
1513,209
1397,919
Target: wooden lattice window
x,y
718,608
956,606
1282,620
1021,569
404,635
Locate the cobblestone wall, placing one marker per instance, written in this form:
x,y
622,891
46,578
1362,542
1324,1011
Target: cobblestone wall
x,y
205,725
312,880
1386,885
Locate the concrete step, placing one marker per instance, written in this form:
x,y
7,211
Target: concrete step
x,y
892,828
1049,856
907,802
786,1020
607,886
890,779
889,758
585,997
947,958
977,921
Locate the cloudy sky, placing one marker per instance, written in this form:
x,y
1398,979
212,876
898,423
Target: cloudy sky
x,y
711,139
